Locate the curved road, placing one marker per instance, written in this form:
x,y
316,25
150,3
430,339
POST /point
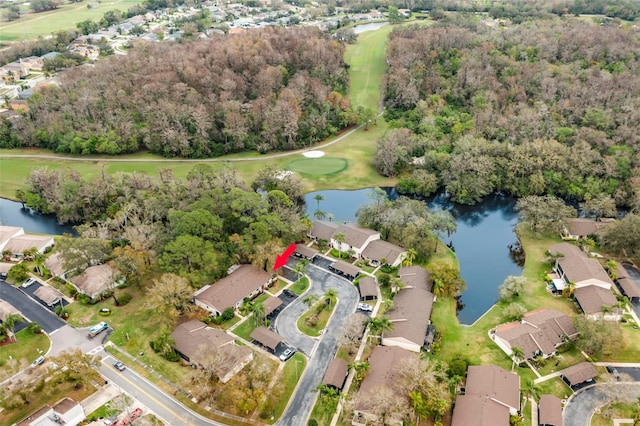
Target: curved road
x,y
322,351
584,403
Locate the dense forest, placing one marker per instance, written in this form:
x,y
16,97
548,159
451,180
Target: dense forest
x,y
543,107
271,89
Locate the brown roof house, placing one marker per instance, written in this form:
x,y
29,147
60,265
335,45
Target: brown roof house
x,y
410,317
549,411
305,252
267,338
7,308
246,281
18,245
210,348
597,303
368,288
7,233
95,280
336,374
491,396
345,269
539,333
579,375
575,266
55,265
384,367
322,230
379,252
270,305
415,277
626,284
65,412
48,295
579,228
356,238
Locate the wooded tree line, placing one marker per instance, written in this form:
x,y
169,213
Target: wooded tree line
x,y
271,89
544,107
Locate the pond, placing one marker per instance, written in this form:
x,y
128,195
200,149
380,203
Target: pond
x,y
12,214
358,29
481,242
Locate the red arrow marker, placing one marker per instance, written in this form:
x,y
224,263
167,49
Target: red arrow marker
x,y
282,259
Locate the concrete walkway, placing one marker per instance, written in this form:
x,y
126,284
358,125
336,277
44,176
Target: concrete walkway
x,y
99,398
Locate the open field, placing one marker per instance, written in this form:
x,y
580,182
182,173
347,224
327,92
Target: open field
x,y
32,25
318,166
27,347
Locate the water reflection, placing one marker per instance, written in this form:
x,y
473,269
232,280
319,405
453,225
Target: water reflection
x,y
12,214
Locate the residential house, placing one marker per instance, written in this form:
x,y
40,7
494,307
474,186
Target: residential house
x,y
18,245
65,412
410,317
576,267
246,281
271,305
14,71
384,366
549,411
368,288
7,308
336,374
322,230
380,252
356,239
49,295
579,375
539,333
491,395
626,284
95,280
55,265
305,252
345,269
204,346
33,63
267,338
7,233
415,277
597,303
578,228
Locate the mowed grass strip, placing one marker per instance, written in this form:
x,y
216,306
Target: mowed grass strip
x,y
291,373
318,166
27,347
65,17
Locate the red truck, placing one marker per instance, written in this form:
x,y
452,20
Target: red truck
x,y
130,418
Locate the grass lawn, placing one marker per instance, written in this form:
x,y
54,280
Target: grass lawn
x,y
104,411
245,329
277,286
561,361
26,347
32,25
300,286
619,410
322,318
318,166
291,373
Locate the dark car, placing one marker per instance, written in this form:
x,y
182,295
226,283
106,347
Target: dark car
x,y
613,371
3,275
289,293
119,366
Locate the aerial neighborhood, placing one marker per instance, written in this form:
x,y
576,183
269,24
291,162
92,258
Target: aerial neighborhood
x,y
319,214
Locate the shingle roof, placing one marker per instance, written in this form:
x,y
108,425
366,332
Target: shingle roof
x,y
64,405
579,373
271,304
583,227
323,230
479,411
48,294
8,232
305,250
592,298
336,373
629,287
367,287
540,330
266,337
494,382
379,249
355,235
550,410
7,308
24,242
415,276
94,279
234,287
410,315
577,266
566,249
345,268
55,264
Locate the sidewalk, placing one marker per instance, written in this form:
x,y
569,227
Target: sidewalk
x,y
99,398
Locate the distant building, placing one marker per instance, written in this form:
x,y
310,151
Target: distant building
x,y
578,228
65,412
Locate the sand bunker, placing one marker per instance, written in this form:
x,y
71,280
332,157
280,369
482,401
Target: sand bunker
x,y
313,154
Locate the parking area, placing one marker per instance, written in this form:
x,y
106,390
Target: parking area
x,y
31,290
632,372
30,308
322,262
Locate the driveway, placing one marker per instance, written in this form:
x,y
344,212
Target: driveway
x,y
583,404
302,401
30,309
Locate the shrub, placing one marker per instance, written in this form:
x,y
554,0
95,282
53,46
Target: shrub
x,y
312,422
83,298
388,269
72,290
18,273
171,356
123,299
228,314
34,328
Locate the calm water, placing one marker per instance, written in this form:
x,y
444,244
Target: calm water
x,y
484,232
12,214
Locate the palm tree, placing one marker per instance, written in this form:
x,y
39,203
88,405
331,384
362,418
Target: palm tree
x,y
301,267
438,287
310,300
9,324
411,256
330,216
319,214
29,253
340,238
39,259
529,390
318,198
330,294
258,313
516,354
360,368
377,326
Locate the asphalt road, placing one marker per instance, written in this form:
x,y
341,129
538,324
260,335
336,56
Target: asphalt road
x,y
30,309
581,407
162,405
303,399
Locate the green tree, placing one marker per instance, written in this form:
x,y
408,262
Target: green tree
x,y
81,252
623,236
18,273
517,356
310,300
169,297
411,256
360,368
446,280
190,256
339,238
599,206
258,313
318,198
512,287
365,116
599,337
329,295
9,324
377,326
544,213
395,17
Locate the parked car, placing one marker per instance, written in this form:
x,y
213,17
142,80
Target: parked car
x,y
119,366
613,371
28,282
3,275
98,328
365,307
38,361
289,293
288,353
